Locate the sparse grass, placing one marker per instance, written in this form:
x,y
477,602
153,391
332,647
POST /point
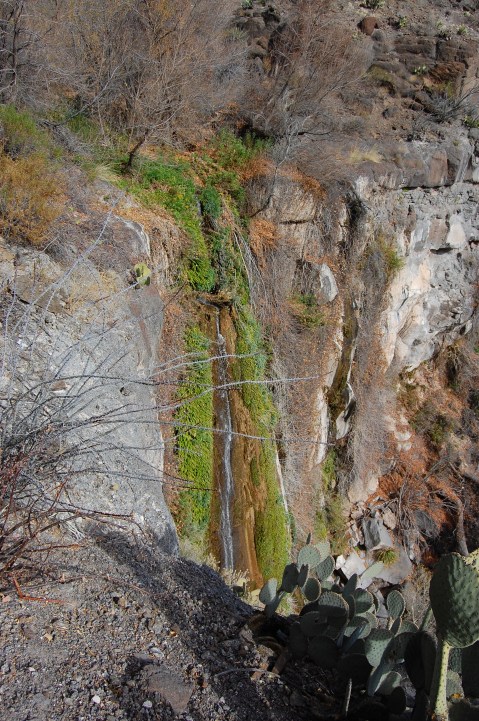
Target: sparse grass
x,y
30,186
331,523
386,556
328,470
307,311
432,424
29,198
360,155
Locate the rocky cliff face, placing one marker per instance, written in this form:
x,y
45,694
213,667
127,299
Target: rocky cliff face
x,y
392,267
80,366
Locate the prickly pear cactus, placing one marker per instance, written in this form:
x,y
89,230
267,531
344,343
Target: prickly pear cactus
x,y
454,593
142,274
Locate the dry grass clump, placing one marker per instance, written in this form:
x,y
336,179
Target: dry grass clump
x,y
29,198
262,237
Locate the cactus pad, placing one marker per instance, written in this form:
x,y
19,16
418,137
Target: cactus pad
x,y
420,657
290,578
303,575
364,600
333,605
397,701
298,642
454,593
376,644
389,683
396,648
354,666
323,651
453,684
142,274
324,548
396,628
312,624
470,670
325,568
311,589
271,607
351,584
268,592
395,604
309,555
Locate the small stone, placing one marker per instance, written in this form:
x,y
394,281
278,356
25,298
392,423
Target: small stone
x,y
389,518
375,535
147,704
170,686
96,699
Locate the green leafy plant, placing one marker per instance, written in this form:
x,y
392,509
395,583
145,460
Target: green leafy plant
x,y
471,121
194,419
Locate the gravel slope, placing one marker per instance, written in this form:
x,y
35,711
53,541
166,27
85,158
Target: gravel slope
x,y
139,635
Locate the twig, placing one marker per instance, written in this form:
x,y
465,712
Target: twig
x,y
23,597
258,671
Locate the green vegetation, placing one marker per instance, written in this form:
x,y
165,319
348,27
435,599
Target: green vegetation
x,y
374,4
330,522
392,260
21,136
471,121
432,424
194,440
386,556
307,311
328,470
272,539
195,189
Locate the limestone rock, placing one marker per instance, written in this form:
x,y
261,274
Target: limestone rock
x,y
375,534
397,572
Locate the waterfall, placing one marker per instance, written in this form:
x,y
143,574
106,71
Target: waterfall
x,y
224,422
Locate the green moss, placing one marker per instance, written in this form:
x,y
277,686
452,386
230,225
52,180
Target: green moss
x,y
256,396
272,539
194,440
254,472
307,310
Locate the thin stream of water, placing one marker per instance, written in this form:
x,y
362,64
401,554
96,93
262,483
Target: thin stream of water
x,y
225,423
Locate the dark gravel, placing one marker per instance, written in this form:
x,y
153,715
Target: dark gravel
x,y
141,635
